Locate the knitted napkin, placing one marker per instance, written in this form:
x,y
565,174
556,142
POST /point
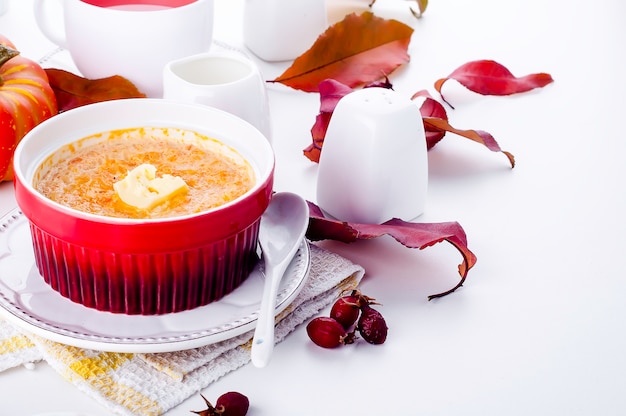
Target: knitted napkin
x,y
151,384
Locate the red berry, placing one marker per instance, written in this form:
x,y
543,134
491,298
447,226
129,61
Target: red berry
x,y
232,404
346,310
327,332
372,325
228,404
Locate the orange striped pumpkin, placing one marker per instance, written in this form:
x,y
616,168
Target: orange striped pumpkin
x,y
26,99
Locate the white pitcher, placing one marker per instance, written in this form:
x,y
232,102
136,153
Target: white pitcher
x,y
225,80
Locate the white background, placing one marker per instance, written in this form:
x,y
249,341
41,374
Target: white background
x,y
538,328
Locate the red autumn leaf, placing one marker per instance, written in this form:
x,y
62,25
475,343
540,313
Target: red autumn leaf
x,y
73,91
431,108
488,77
436,125
318,131
331,92
409,234
478,136
357,50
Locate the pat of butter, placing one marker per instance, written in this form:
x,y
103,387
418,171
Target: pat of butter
x,y
142,189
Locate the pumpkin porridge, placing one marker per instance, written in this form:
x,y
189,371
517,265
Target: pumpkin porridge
x,y
145,173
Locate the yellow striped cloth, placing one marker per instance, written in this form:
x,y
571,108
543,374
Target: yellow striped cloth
x,y
16,348
151,384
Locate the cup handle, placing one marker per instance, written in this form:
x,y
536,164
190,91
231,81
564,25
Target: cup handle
x,y
46,25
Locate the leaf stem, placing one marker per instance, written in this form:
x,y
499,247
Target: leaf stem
x,y
446,101
447,292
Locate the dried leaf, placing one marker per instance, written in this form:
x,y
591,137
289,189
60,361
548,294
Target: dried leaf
x,y
412,235
422,4
74,91
318,132
357,50
331,92
431,108
436,124
479,136
488,77
421,8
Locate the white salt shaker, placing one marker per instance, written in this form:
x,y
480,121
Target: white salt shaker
x,y
282,30
374,165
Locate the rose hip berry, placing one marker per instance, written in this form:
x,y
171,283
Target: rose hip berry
x,y
228,404
372,325
346,310
232,404
333,331
328,333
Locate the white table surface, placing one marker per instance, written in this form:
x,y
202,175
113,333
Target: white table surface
x,y
538,328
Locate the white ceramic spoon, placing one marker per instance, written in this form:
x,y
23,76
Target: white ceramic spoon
x,y
282,230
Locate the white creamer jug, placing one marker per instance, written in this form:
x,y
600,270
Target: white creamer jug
x,y
373,165
226,80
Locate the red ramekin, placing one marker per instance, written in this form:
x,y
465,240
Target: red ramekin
x,y
143,266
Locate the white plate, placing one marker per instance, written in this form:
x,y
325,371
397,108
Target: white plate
x,y
27,301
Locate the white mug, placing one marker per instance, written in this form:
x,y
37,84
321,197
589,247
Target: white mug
x,y
373,166
282,30
131,38
226,80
